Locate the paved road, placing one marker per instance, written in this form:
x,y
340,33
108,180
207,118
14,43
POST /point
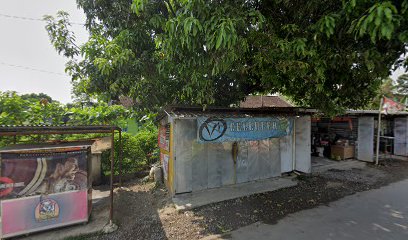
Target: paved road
x,y
375,214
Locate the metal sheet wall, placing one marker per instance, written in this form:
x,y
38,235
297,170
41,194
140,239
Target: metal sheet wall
x,y
201,166
273,158
185,133
228,171
365,139
242,162
286,153
302,144
401,135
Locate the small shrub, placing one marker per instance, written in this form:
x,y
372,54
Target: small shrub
x,y
138,152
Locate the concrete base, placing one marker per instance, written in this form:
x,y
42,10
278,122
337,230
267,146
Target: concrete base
x,y
200,198
321,164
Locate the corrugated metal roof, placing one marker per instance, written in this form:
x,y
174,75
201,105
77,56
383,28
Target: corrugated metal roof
x,y
192,112
55,129
55,145
376,112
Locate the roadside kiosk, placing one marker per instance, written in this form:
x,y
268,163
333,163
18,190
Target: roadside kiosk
x,y
44,187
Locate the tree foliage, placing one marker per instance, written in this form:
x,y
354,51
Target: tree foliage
x,y
29,109
25,109
387,89
36,97
326,54
402,84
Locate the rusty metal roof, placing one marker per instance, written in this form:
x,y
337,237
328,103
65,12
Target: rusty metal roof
x,y
364,113
55,145
264,102
7,130
177,111
192,112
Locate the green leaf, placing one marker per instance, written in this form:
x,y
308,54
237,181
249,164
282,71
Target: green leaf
x,y
219,38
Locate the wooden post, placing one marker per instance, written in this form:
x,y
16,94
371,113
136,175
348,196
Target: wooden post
x,y
378,132
120,158
111,176
294,144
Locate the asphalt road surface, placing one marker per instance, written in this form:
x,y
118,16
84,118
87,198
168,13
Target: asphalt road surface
x,y
375,214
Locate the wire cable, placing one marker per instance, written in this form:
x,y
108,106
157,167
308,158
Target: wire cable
x,y
32,69
32,19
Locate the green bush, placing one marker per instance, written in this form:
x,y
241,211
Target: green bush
x,y
138,152
139,149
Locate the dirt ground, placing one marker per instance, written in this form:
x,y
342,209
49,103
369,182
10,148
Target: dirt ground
x,y
144,211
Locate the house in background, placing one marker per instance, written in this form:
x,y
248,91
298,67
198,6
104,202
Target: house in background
x,y
264,102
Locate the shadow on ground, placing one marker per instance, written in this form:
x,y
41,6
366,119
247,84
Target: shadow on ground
x,y
312,191
136,214
143,211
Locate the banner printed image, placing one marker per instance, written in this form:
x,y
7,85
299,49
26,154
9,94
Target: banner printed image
x,y
33,174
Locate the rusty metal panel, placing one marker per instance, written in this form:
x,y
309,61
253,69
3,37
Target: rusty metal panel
x,y
365,139
185,134
400,134
302,144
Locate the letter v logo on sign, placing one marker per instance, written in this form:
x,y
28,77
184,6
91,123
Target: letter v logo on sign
x,y
212,129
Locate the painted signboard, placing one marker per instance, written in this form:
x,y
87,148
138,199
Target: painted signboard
x,y
242,129
163,138
165,163
41,212
33,173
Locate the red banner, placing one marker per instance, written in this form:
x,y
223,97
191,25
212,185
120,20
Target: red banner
x,y
390,106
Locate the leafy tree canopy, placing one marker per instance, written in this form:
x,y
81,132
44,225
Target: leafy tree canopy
x,y
17,109
139,148
326,54
386,89
402,84
36,97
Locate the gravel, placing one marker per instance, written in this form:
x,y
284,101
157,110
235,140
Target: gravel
x,y
144,211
